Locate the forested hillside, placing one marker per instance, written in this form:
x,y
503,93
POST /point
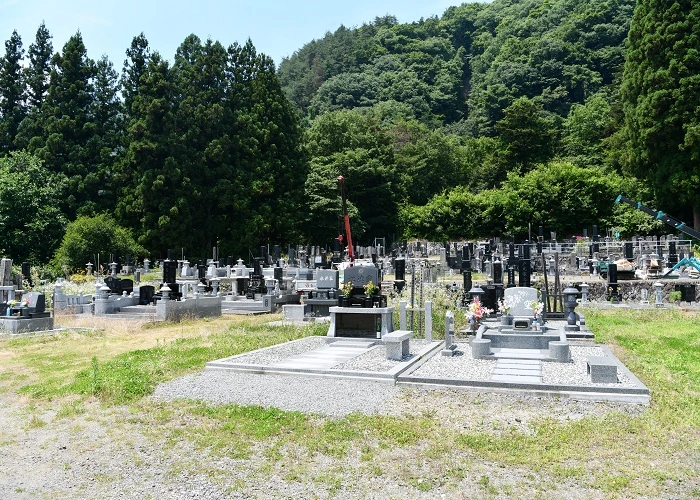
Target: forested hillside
x,y
464,108
472,124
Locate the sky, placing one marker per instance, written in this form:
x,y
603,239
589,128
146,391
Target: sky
x,y
277,28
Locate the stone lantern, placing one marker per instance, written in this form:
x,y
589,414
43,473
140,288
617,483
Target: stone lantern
x,y
476,293
659,291
584,293
105,291
89,268
165,291
570,304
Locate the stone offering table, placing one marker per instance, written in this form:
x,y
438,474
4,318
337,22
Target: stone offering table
x,y
367,322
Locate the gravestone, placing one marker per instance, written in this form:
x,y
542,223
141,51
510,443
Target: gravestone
x,y
327,279
36,302
5,272
520,299
146,294
169,271
126,285
113,283
361,275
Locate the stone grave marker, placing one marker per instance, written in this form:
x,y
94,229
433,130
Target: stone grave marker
x,y
327,279
361,275
519,299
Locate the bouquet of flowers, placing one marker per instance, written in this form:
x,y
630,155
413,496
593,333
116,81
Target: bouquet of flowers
x,y
371,289
504,306
537,307
476,311
346,288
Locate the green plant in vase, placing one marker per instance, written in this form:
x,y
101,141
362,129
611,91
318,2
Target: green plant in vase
x,y
371,289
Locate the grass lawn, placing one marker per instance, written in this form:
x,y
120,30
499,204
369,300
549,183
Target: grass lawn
x,y
651,453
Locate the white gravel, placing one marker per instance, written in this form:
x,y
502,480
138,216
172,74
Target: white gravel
x,y
327,396
341,396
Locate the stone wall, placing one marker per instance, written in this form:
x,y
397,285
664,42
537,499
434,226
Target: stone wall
x,y
631,290
198,307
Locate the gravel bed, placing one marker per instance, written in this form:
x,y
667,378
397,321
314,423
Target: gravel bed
x,y
576,372
327,396
460,366
375,360
271,355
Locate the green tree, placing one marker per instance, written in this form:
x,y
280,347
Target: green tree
x,y
104,145
67,125
89,238
12,95
36,76
585,129
526,134
559,196
351,143
138,54
38,73
660,93
31,225
427,162
150,160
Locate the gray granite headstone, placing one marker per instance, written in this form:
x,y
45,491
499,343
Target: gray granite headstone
x,y
5,272
519,299
361,275
327,279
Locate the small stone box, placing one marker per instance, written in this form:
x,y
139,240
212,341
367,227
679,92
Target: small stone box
x,y
602,370
397,344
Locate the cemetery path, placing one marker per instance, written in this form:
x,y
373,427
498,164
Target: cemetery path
x,y
56,450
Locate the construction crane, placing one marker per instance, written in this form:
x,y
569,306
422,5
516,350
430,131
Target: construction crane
x,y
346,219
659,215
676,224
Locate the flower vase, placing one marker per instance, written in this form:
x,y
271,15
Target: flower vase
x,y
506,319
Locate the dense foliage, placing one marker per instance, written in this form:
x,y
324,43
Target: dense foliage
x,y
31,224
661,101
477,123
94,239
201,153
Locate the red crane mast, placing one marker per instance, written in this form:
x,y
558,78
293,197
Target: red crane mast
x,y
346,219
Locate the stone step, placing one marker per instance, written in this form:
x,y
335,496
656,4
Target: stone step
x,y
353,343
519,354
518,371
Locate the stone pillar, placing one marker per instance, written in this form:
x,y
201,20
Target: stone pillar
x,y
449,334
403,322
428,321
